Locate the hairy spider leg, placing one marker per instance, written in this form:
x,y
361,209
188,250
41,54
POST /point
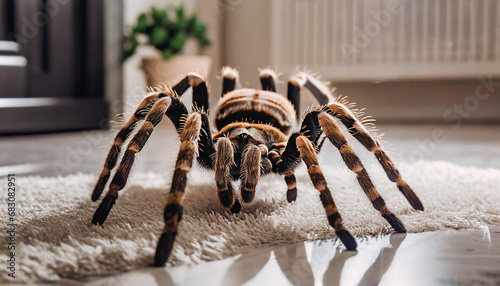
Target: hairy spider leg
x,y
291,183
112,157
352,161
290,158
308,155
230,80
206,147
311,129
361,134
201,103
319,90
200,99
293,94
173,210
290,180
200,90
358,131
269,80
355,127
136,144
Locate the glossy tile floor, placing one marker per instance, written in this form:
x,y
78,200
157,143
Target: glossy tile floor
x,y
463,257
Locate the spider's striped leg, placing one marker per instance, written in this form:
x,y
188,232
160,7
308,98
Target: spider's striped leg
x,y
318,89
289,159
250,173
223,163
308,155
359,132
230,80
293,93
335,135
173,209
200,90
139,114
291,182
269,80
206,148
356,128
312,130
135,145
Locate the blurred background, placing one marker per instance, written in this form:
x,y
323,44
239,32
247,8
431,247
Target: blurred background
x,y
405,61
68,65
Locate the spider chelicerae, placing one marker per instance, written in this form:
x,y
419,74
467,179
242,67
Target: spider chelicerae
x,y
254,138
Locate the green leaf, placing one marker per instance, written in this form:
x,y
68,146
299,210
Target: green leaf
x,y
180,11
132,40
199,29
204,42
159,16
159,36
167,54
142,24
191,22
177,42
167,30
182,22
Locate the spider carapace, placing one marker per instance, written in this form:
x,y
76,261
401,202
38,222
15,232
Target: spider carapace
x,y
255,137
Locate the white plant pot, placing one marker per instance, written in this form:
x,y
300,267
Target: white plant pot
x,y
160,72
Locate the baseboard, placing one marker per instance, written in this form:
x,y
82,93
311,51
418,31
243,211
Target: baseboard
x,y
38,115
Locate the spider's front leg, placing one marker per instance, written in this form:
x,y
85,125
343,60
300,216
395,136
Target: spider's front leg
x,y
308,155
301,147
161,106
359,132
352,161
173,210
151,109
139,114
355,127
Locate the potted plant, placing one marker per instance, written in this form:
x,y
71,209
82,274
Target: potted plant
x,y
169,31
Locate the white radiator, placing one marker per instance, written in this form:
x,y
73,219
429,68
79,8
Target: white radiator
x,y
387,39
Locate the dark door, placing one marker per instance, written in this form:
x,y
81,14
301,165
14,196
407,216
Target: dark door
x,y
51,65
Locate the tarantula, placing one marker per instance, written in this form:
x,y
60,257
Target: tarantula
x,y
254,138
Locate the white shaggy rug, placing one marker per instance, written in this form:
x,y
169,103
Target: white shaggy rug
x,y
57,240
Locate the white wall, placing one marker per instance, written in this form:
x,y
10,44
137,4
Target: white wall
x,y
248,39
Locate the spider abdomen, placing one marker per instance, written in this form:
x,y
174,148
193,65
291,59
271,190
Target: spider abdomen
x,y
255,106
